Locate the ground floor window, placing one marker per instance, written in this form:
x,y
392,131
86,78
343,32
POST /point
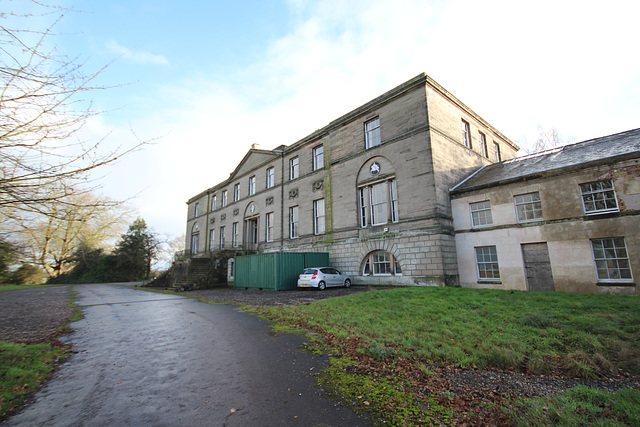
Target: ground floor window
x,y
195,237
293,222
212,236
381,263
378,203
487,263
611,259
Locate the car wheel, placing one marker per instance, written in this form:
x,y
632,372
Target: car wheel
x,y
347,283
322,286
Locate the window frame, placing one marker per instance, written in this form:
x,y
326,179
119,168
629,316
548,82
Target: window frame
x,y
221,237
496,152
269,219
493,262
466,134
606,263
526,205
318,157
483,145
196,209
294,168
224,199
213,202
212,238
319,217
372,133
252,185
603,199
236,192
294,222
271,174
367,208
482,209
234,235
370,263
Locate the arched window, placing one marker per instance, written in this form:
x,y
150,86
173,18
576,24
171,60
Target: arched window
x,y
195,237
381,263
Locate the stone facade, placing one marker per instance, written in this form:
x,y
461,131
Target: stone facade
x,y
371,188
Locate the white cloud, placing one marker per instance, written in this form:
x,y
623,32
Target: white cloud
x,y
137,56
519,65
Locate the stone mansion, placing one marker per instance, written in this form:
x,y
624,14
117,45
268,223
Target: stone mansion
x,y
373,188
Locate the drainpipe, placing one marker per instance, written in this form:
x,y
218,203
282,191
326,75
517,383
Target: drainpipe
x,y
282,204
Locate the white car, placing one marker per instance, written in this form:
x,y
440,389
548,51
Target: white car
x,y
321,277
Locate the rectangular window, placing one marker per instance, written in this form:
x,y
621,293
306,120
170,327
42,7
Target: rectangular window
x,y
378,203
236,192
234,235
213,203
372,133
221,237
483,145
496,152
481,214
293,168
318,157
599,197
252,185
528,207
611,259
224,198
318,217
196,208
212,237
269,220
466,134
293,222
487,263
271,173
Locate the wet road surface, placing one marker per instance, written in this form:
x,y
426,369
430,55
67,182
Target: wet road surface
x,y
154,359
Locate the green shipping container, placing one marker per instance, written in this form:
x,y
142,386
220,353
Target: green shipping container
x,y
276,271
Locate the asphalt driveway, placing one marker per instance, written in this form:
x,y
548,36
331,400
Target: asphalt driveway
x,y
154,359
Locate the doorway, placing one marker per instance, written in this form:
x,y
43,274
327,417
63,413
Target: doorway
x,y
537,267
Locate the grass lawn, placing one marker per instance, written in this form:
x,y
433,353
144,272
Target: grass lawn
x,y
16,287
535,332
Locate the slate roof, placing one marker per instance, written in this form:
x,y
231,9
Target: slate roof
x,y
560,159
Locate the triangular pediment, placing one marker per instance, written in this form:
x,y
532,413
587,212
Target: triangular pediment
x,y
253,159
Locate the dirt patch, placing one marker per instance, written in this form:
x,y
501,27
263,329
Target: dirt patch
x,y
256,297
33,315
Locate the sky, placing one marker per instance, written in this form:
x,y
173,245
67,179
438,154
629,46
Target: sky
x,y
203,80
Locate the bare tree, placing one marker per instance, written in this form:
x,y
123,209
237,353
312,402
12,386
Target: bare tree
x,y
43,104
547,139
50,237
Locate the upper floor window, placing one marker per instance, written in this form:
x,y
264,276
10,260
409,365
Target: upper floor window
x,y
528,207
372,133
611,259
481,214
294,231
599,197
252,185
271,173
236,192
466,134
378,203
213,203
224,198
196,210
269,227
293,168
487,263
318,157
381,263
496,152
483,145
318,217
